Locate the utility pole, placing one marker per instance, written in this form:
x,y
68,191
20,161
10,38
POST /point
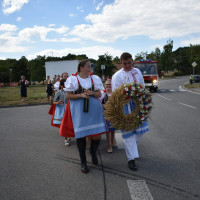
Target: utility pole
x,y
102,68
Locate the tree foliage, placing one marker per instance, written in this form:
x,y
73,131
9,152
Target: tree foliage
x,y
109,66
34,70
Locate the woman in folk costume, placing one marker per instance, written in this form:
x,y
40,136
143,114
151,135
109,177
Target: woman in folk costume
x,y
127,75
84,113
57,109
110,135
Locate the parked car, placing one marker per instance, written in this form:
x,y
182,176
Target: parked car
x,y
196,79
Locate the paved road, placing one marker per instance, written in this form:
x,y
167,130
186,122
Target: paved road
x,y
35,164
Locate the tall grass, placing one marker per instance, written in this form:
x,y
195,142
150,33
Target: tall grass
x,y
12,95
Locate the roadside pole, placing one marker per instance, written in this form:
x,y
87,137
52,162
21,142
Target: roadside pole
x,y
194,64
102,68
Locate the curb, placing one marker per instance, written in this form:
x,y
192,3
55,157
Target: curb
x,y
24,105
197,90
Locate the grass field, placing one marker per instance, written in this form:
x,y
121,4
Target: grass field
x,y
195,85
11,95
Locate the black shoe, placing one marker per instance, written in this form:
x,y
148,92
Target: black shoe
x,y
84,168
131,165
94,159
93,151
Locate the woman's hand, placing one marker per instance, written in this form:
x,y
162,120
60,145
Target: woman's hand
x,y
60,101
96,93
84,95
89,92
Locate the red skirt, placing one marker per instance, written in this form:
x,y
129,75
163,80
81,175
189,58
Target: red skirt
x,y
66,127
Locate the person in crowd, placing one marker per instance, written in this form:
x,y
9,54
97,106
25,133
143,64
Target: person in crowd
x,y
49,91
127,75
84,113
57,109
105,94
23,84
46,81
57,84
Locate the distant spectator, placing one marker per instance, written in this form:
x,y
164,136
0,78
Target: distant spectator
x,y
46,81
49,91
23,83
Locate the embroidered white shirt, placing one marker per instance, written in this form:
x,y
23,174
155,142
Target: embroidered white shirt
x,y
127,77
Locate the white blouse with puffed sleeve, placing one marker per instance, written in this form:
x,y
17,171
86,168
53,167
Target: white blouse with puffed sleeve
x,y
71,85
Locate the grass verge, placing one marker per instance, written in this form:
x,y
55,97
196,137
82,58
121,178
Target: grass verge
x,y
11,96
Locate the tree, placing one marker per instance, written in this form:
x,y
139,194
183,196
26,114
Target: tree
x,y
20,68
194,56
37,69
167,62
109,66
141,56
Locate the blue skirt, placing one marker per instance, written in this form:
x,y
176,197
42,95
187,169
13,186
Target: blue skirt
x,y
110,127
59,113
87,123
128,108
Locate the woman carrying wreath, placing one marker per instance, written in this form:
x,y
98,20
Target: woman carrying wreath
x,y
84,113
128,74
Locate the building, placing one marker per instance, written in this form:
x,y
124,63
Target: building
x,y
58,67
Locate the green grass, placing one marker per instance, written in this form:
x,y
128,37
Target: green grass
x,y
12,95
196,85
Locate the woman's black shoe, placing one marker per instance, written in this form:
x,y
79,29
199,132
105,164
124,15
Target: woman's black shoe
x,y
131,165
93,151
84,168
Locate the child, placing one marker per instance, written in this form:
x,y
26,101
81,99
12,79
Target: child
x,y
58,109
105,94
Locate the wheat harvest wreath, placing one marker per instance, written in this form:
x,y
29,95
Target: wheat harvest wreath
x,y
120,97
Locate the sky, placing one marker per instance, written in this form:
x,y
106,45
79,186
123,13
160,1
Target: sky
x,y
94,27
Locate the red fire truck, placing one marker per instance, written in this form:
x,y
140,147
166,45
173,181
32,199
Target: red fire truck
x,y
149,71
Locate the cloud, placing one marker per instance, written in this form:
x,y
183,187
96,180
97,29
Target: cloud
x,y
91,52
13,41
79,9
41,31
193,41
72,15
19,19
51,25
10,44
10,6
154,19
8,27
99,5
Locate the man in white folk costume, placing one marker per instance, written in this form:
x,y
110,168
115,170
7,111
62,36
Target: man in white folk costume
x,y
128,74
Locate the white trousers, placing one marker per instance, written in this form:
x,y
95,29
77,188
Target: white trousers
x,y
131,146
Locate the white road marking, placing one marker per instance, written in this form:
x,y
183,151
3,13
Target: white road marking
x,y
172,90
139,190
180,88
163,97
187,105
119,140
